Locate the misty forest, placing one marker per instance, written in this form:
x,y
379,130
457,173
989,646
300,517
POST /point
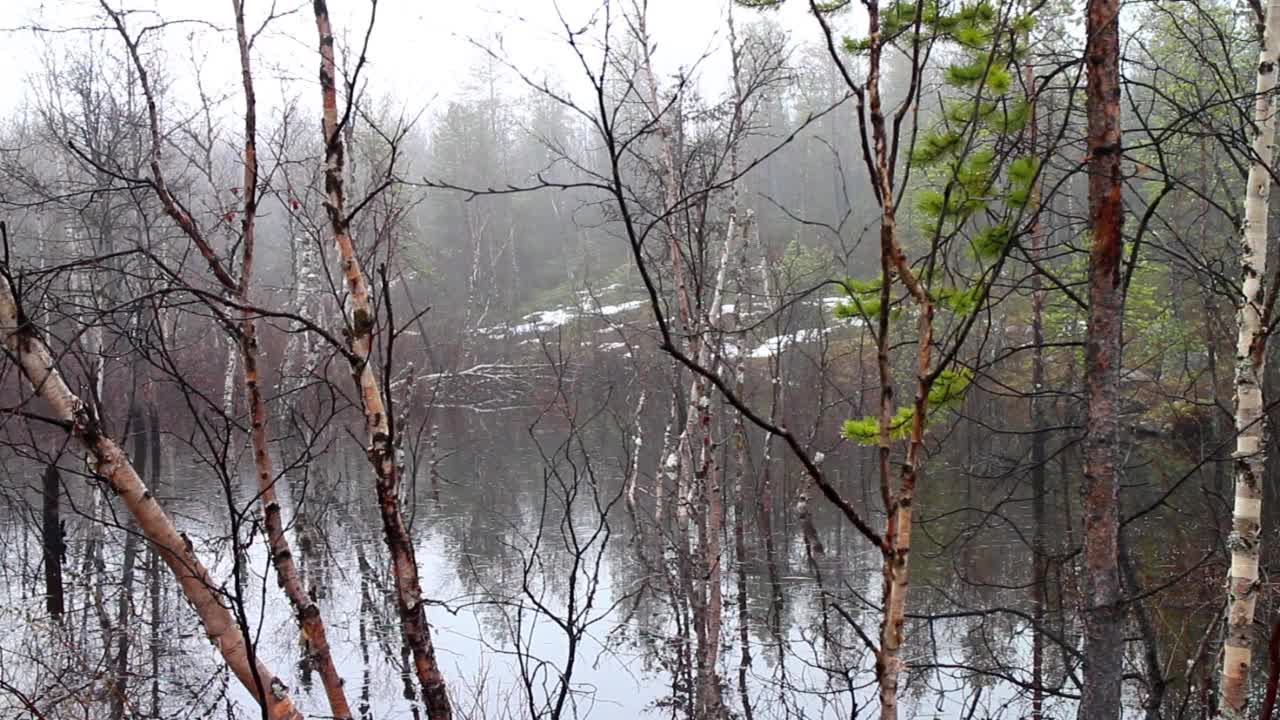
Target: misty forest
x,y
701,360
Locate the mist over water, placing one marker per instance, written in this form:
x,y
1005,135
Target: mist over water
x,y
609,358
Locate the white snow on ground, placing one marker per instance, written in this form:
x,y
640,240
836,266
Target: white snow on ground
x,y
624,307
544,320
587,294
776,345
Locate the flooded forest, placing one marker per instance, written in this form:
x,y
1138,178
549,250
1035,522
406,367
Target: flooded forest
x,y
701,360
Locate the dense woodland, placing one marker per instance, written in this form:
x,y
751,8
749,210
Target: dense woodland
x,y
912,361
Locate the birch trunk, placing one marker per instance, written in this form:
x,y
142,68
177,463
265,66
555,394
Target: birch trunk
x,y
299,354
1251,451
229,378
288,576
174,548
243,349
381,453
898,502
712,476
693,475
119,688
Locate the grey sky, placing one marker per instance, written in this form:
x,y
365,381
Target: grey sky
x,y
421,55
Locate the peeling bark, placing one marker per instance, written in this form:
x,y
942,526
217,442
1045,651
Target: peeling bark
x,y
380,451
1243,583
37,366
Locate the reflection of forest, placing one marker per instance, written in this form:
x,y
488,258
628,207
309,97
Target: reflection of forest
x,y
753,388
505,504
971,625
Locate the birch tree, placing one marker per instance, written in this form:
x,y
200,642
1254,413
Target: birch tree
x,y
379,425
1243,584
36,362
243,332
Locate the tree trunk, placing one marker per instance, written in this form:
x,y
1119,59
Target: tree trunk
x,y
1251,451
1104,610
37,365
54,548
1039,439
359,337
153,559
124,607
244,351
894,267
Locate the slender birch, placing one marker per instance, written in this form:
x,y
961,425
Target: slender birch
x,y
243,336
37,364
379,431
1251,345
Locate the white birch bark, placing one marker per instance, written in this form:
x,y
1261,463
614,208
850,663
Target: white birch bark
x,y
1250,455
300,352
229,376
37,366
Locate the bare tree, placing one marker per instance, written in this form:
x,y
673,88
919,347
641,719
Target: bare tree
x,y
245,334
75,417
380,427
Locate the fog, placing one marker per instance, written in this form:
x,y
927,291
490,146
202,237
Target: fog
x,y
603,358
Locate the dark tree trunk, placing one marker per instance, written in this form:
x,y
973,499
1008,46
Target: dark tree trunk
x,y
124,608
54,549
1104,610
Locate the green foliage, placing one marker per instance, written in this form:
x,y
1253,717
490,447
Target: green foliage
x,y
857,309
981,70
1154,331
1023,170
960,154
866,431
946,392
990,242
960,112
933,146
958,301
1012,119
974,171
855,46
949,387
854,285
1022,176
862,300
973,37
968,73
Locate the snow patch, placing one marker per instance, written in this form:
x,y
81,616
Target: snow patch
x,y
620,308
775,345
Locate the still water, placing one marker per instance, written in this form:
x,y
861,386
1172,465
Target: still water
x,y
519,530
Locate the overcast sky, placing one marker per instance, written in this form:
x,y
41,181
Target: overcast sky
x,y
421,53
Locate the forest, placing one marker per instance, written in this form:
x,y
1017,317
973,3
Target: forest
x,y
715,360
